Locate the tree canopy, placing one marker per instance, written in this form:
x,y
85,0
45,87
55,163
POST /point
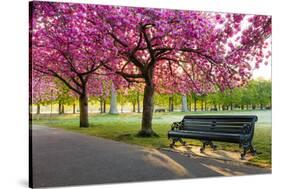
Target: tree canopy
x,y
163,50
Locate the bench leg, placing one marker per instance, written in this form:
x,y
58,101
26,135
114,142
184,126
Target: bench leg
x,y
253,150
243,154
182,142
173,143
213,145
203,147
246,147
174,140
205,143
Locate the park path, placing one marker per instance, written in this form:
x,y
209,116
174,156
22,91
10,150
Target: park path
x,y
62,158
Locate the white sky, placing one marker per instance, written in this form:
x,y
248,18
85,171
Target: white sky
x,y
264,71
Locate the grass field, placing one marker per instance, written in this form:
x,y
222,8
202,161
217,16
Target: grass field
x,y
123,127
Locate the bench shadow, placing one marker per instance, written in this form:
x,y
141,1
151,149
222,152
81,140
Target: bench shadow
x,y
156,158
209,153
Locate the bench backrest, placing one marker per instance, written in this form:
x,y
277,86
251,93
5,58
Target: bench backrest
x,y
220,123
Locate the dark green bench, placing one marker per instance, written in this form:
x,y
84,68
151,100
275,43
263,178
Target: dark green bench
x,y
208,128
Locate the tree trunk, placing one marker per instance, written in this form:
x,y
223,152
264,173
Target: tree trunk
x,y
73,108
38,109
184,104
138,101
51,109
101,107
121,107
113,101
59,107
83,103
202,105
205,105
195,104
171,103
104,106
134,106
62,109
147,113
231,106
247,106
190,104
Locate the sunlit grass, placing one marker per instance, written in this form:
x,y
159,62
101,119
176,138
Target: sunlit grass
x,y
123,127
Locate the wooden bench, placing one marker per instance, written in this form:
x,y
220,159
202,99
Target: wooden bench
x,y
208,128
160,110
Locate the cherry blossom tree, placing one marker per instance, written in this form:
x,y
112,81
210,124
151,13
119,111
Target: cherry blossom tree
x,y
196,47
184,51
64,47
43,90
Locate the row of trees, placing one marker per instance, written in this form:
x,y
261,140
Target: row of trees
x,y
95,50
256,94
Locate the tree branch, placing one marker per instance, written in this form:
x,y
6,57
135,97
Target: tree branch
x,y
50,72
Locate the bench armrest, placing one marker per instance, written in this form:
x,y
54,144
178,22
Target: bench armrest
x,y
247,128
176,125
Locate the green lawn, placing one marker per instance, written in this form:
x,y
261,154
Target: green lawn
x,y
123,127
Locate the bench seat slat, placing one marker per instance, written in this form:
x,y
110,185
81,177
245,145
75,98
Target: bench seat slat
x,y
216,130
218,126
217,122
214,136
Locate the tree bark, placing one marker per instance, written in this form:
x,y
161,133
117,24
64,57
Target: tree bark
x,y
83,103
171,103
104,106
195,104
101,107
73,108
138,101
38,109
253,106
202,105
184,104
134,106
190,103
51,109
121,107
113,101
59,107
147,113
62,109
